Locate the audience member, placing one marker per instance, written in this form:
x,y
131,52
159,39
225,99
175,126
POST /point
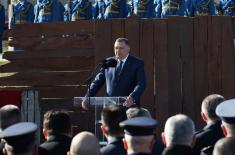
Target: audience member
x,y
56,130
142,112
111,116
212,132
84,143
98,9
225,146
139,135
178,135
20,139
9,115
226,111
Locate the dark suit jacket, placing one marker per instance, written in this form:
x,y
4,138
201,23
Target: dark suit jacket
x,y
132,80
57,144
208,137
178,150
114,147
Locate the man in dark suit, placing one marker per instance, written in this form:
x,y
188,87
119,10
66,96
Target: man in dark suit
x,y
57,131
126,79
178,135
111,116
212,132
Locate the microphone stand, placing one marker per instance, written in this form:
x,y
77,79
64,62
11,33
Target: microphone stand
x,y
88,81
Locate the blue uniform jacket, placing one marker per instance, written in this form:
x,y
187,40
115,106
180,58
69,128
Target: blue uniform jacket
x,y
227,7
132,80
78,10
203,8
164,8
144,8
22,13
115,9
98,9
48,11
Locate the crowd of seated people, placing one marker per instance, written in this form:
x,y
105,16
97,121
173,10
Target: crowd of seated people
x,y
127,131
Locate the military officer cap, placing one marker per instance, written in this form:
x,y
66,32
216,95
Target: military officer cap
x,y
19,136
139,126
226,111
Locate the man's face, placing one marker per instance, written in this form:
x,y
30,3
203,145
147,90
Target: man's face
x,y
121,50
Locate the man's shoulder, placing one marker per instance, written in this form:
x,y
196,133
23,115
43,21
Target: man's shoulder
x,y
111,149
135,59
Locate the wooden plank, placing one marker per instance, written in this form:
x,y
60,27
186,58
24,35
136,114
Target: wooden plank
x,y
187,75
228,59
61,91
147,48
103,40
174,66
214,54
54,28
103,43
49,64
118,29
44,78
200,66
161,72
132,32
48,53
53,43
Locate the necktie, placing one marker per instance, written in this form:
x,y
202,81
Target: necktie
x,y
119,69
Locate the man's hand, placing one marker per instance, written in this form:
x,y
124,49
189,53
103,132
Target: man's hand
x,y
129,102
85,104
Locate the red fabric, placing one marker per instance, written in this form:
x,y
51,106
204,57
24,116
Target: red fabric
x,y
10,97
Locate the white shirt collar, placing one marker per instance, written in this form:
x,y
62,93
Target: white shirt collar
x,y
124,60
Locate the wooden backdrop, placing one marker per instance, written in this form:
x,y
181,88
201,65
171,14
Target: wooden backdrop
x,y
185,60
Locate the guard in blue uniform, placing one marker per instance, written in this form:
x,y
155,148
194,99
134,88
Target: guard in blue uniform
x,y
48,11
2,21
227,7
22,13
115,9
77,10
130,8
164,8
143,8
98,9
203,8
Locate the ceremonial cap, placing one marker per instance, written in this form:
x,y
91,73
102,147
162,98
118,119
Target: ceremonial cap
x,y
139,126
226,111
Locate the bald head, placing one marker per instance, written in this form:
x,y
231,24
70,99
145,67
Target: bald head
x,y
85,143
225,146
9,114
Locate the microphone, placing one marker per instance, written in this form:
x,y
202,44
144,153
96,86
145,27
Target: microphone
x,y
110,62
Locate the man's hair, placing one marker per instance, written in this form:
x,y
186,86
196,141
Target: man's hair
x,y
85,143
111,116
209,105
125,40
9,115
57,121
225,146
179,129
137,112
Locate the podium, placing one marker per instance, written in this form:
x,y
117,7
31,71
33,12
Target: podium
x,y
98,103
